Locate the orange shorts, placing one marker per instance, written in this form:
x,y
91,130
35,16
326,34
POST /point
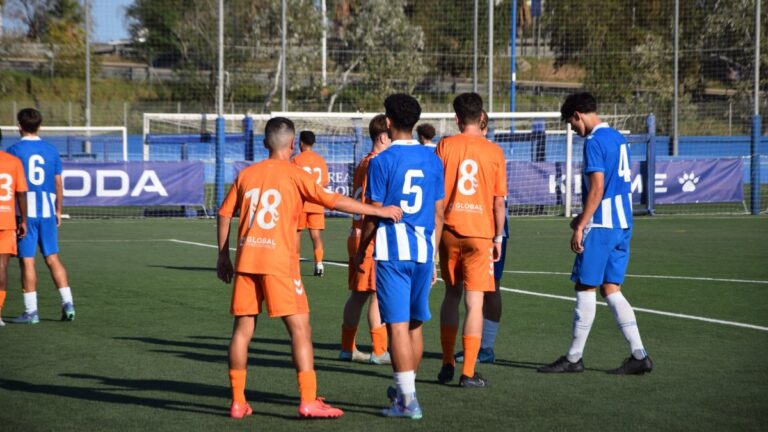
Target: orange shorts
x,y
312,221
365,281
8,242
469,259
284,295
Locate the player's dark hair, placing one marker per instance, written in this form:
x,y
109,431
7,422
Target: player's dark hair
x,y
468,108
377,126
582,102
275,128
483,120
29,119
403,111
426,131
307,137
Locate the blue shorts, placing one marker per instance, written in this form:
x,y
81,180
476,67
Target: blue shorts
x,y
402,288
43,232
498,266
605,257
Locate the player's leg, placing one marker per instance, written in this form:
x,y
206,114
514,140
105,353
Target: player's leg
x,y
4,258
378,330
27,248
638,362
492,310
247,294
316,223
351,319
451,272
49,246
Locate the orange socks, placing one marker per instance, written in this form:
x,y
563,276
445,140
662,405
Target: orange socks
x,y
448,341
237,381
307,385
471,348
348,335
2,299
379,339
318,255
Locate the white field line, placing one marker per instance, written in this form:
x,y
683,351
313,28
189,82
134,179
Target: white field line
x,y
706,279
559,297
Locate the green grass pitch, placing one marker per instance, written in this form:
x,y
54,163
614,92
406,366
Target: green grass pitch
x,y
149,347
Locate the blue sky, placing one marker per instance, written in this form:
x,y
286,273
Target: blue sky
x,y
109,19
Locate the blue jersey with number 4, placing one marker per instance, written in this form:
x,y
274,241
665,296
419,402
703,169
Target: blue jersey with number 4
x,y
410,176
41,164
606,150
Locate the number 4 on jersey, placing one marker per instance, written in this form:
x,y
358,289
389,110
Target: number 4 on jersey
x,y
624,170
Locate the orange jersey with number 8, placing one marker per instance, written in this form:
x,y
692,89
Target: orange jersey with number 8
x,y
315,165
270,195
475,173
12,180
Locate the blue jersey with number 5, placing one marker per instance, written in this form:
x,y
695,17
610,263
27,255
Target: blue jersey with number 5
x,y
606,150
410,176
41,164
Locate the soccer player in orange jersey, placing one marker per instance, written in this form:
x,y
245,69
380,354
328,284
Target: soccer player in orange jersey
x,y
269,196
13,193
363,285
475,190
313,216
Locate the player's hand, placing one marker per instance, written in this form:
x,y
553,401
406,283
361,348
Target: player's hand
x,y
21,230
497,251
434,275
577,240
58,220
391,212
357,262
224,269
575,221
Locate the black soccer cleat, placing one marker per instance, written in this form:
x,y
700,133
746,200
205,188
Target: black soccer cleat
x,y
562,365
446,374
475,381
633,366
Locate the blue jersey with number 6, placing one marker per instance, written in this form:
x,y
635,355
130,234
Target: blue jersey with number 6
x,y
42,164
606,150
410,176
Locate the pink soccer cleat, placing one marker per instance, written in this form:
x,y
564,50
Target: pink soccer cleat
x,y
318,409
240,410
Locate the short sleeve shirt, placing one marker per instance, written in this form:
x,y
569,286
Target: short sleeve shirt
x,y
12,181
315,165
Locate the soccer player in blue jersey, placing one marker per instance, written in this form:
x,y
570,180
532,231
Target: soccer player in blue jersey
x,y
601,235
408,175
42,166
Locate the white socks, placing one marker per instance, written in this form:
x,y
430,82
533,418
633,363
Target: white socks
x,y
625,319
583,317
66,295
490,329
30,302
405,382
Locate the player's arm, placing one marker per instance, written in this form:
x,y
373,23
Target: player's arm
x,y
366,237
499,210
224,269
21,202
594,196
439,220
348,205
59,199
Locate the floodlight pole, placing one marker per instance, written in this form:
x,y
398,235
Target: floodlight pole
x,y
87,143
490,56
324,42
755,185
283,105
220,126
474,51
676,85
513,63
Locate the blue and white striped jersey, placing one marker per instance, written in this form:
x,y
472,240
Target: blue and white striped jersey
x,y
408,175
606,150
41,164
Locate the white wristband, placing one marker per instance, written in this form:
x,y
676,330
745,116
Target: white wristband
x,y
498,239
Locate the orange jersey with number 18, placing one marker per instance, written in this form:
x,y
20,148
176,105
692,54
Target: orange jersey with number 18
x,y
475,173
315,165
12,180
270,195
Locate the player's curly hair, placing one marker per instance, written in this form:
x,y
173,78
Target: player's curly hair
x,y
468,108
426,131
582,102
29,119
403,111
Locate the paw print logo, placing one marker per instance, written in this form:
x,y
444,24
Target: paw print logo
x,y
689,181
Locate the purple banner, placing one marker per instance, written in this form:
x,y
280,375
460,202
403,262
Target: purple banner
x,y
133,183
